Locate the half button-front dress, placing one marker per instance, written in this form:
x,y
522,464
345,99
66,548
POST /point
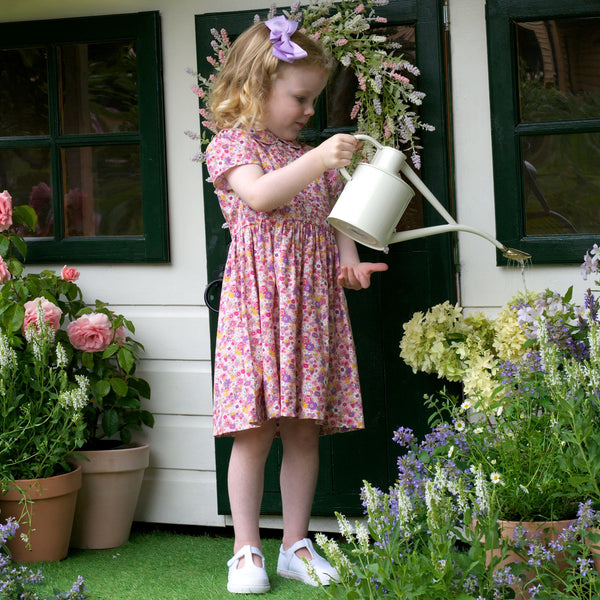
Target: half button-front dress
x,y
284,345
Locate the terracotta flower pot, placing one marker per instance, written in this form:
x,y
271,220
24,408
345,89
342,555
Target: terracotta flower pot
x,y
111,485
51,504
545,531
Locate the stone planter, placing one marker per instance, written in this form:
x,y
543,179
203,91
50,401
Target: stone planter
x,y
111,485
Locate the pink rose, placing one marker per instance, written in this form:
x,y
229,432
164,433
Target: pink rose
x,y
4,272
5,211
91,333
69,274
51,312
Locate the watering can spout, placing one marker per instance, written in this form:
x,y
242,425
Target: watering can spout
x,y
510,253
375,199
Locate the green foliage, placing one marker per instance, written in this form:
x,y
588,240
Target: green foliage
x,y
116,391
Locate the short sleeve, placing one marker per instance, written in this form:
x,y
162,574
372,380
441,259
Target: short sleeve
x,y
229,148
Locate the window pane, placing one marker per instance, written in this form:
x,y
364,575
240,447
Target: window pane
x,y
103,191
558,69
23,92
99,88
25,173
562,183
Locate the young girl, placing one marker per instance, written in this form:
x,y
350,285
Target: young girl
x,y
284,362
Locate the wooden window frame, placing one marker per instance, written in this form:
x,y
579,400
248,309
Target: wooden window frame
x,y
507,130
153,244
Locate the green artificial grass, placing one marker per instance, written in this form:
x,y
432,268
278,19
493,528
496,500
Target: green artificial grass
x,y
166,565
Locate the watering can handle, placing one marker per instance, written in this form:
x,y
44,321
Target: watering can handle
x,y
367,138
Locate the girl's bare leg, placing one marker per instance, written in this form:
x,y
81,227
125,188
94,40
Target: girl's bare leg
x,y
245,479
298,478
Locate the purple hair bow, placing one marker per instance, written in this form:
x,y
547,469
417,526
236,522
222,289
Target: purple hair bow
x,y
283,47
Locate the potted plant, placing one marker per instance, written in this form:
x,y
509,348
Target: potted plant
x,y
98,346
529,415
41,410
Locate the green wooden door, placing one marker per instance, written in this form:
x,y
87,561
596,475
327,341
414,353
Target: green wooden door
x,y
420,274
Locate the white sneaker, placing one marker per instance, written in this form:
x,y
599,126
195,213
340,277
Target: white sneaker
x,y
250,579
293,567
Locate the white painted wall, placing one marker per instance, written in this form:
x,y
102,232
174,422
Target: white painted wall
x,y
165,302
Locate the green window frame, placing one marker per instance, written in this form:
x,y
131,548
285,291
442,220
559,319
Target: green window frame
x,y
152,243
508,130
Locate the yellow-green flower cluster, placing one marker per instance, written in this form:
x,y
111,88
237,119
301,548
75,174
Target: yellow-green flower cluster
x,y
429,341
509,336
463,348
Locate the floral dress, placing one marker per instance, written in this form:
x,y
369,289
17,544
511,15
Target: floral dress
x,y
284,345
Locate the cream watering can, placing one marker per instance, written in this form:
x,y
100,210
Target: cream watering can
x,y
375,198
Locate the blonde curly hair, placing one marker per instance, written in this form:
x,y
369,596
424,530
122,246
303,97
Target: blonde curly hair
x,y
239,94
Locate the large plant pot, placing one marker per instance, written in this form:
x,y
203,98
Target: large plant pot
x,y
50,503
111,485
546,532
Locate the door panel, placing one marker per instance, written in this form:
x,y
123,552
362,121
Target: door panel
x,y
420,274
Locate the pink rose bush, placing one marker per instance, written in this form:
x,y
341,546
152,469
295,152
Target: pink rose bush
x,y
86,342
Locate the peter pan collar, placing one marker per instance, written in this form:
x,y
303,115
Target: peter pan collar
x,y
264,136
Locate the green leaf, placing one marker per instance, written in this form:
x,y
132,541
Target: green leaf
x,y
87,359
141,386
20,244
4,244
126,359
110,422
569,295
119,386
147,418
12,318
25,214
101,388
110,350
15,266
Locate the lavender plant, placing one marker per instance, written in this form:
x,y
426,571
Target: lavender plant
x,y
17,582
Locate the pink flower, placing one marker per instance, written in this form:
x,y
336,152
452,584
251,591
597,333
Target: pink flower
x,y
51,312
359,8
360,56
5,210
4,272
69,274
91,332
120,335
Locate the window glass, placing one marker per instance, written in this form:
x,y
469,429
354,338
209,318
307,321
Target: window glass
x,y
25,172
99,88
561,179
103,194
23,92
558,69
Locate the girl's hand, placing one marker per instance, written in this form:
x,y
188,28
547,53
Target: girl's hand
x,y
337,151
358,276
